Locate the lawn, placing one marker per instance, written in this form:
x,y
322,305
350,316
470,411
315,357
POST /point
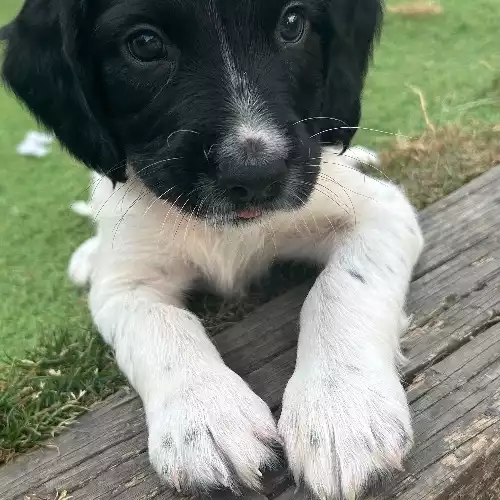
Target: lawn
x,y
38,232
453,58
450,63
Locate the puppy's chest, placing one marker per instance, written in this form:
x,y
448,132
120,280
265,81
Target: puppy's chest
x,y
229,260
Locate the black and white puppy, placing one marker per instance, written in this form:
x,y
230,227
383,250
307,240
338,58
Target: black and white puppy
x,y
206,122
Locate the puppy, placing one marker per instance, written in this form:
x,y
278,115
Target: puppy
x,y
216,129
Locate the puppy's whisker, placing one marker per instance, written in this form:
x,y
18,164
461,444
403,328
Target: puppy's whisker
x,y
113,192
312,215
332,179
309,210
191,213
216,202
122,218
291,215
332,193
365,164
210,148
136,177
158,198
162,88
172,205
85,190
105,175
128,185
369,165
180,212
320,118
164,160
346,193
333,129
179,132
200,205
304,204
216,197
269,225
330,196
345,189
182,217
341,164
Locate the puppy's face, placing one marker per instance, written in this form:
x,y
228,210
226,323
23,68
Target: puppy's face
x,y
209,97
219,106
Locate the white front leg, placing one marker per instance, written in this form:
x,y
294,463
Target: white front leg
x,y
345,418
207,429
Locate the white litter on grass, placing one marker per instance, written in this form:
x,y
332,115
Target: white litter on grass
x,y
36,144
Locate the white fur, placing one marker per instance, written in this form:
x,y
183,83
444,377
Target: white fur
x,y
345,414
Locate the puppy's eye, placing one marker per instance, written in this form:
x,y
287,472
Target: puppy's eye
x,y
293,25
147,45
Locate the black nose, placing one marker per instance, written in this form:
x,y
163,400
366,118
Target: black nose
x,y
252,184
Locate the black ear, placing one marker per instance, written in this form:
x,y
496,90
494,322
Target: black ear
x,y
47,67
5,32
353,27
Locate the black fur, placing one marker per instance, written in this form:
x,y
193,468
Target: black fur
x,y
5,31
68,61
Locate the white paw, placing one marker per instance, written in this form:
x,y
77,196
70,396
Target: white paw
x,y
81,263
211,432
342,433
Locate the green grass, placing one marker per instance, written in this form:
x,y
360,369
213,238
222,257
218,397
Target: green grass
x,y
451,58
43,394
38,232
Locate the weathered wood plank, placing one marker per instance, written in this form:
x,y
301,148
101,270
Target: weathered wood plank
x,y
249,348
455,298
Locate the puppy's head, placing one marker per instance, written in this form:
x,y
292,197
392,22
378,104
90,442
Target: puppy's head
x,y
219,106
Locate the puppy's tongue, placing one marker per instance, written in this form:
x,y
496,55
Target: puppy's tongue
x,y
249,214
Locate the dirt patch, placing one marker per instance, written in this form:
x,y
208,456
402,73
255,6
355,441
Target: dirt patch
x,y
416,9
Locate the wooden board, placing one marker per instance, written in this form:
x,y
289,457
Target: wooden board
x,y
453,378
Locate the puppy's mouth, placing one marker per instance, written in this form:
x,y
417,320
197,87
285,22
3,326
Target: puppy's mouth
x,y
249,214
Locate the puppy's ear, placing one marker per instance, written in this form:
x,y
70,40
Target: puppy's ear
x,y
47,65
353,26
4,32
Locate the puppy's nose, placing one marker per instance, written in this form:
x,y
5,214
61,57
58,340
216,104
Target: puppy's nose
x,y
254,184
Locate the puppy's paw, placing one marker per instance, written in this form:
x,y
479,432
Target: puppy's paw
x,y
211,432
340,436
81,263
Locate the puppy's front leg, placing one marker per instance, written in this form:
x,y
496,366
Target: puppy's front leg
x,y
345,418
207,429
